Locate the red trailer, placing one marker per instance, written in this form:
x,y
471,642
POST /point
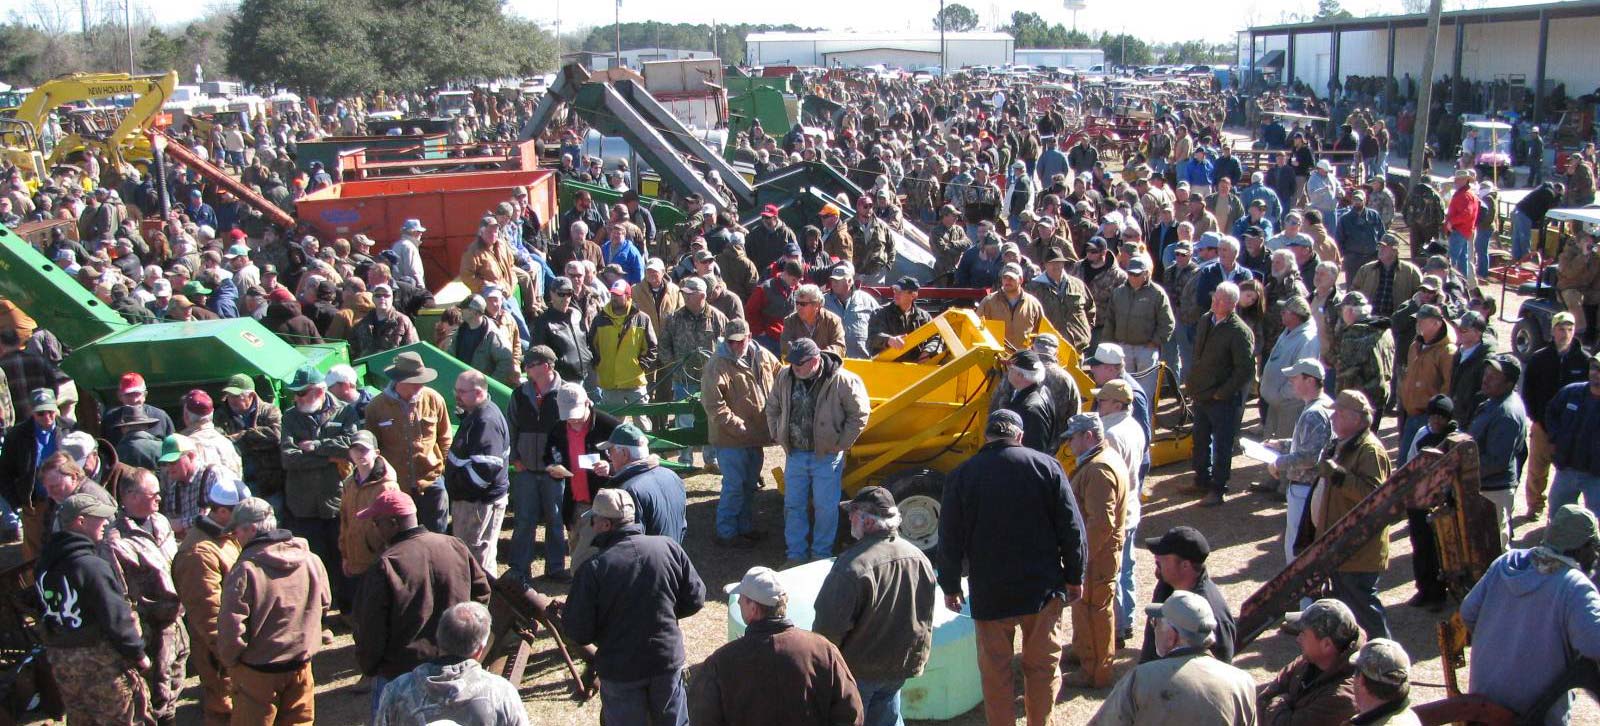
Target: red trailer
x,y
450,206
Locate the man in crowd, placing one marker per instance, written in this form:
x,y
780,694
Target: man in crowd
x,y
657,493
1100,484
1383,685
314,440
734,391
1182,680
1550,369
817,680
254,427
1461,222
1354,465
1031,400
96,652
1218,381
1009,518
536,497
809,320
1358,231
1019,310
816,411
1473,351
131,392
198,571
1500,426
1139,318
855,308
1301,453
270,625
1388,281
475,471
876,605
142,546
412,423
405,593
624,344
26,447
1534,615
1573,420
689,339
1298,341
482,344
385,328
214,446
1318,687
627,600
1065,299
1181,568
890,324
454,685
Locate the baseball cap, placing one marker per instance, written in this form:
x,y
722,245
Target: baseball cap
x,y
130,383
365,439
389,503
655,263
1307,367
1184,541
841,271
621,287
1138,266
1082,422
1563,318
1441,405
873,500
760,584
771,210
1384,661
256,510
195,287
1208,241
624,435
1430,283
562,286
1026,360
1301,240
1507,365
1004,422
1431,311
1115,390
227,492
85,505
198,402
493,291
1471,319
611,503
239,384
174,447
736,329
1327,618
43,400
1106,354
1186,611
382,289
539,354
78,445
1011,269
1045,343
1571,527
703,256
1353,400
693,286
475,303
571,400
803,350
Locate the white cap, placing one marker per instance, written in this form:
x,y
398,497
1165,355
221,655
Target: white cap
x,y
339,374
760,584
227,492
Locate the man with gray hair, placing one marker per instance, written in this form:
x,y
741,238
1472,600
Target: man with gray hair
x,y
1186,684
627,600
811,320
877,604
1031,400
655,489
454,687
1059,385
1101,483
1217,383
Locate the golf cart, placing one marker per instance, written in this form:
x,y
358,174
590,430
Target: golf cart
x,y
1532,326
1492,155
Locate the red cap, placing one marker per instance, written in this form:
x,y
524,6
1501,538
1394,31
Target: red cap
x,y
771,210
130,383
391,503
236,233
281,295
620,287
197,402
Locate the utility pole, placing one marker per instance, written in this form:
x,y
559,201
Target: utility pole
x,y
1419,130
127,22
944,62
618,27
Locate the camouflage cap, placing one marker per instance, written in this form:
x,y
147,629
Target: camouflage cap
x,y
1327,618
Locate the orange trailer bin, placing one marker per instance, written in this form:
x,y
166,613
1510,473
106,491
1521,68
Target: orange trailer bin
x,y
449,205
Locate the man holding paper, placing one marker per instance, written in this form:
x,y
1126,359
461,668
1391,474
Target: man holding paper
x,y
567,449
1298,456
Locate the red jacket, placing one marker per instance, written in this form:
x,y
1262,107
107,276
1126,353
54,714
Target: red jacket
x,y
1462,216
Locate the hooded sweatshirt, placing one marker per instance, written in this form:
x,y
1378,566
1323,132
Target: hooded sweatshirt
x,y
1527,627
84,602
454,690
272,605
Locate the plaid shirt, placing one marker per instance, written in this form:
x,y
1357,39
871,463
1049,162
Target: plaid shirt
x,y
180,500
24,372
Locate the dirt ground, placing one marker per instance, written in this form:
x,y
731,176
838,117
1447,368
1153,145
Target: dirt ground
x,y
1245,535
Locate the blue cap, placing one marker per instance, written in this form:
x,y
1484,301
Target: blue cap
x,y
1209,241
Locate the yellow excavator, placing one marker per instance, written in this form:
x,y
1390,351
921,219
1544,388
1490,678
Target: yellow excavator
x,y
23,142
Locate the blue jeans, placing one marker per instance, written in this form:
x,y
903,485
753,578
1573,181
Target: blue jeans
x,y
1185,345
1569,484
654,701
1409,426
741,472
535,498
378,684
812,482
1359,590
880,700
9,521
1521,234
1461,255
1216,426
1127,585
1480,244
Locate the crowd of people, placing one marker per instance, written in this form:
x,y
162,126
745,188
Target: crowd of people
x,y
221,544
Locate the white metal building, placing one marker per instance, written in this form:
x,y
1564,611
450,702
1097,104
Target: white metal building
x,y
901,50
1077,58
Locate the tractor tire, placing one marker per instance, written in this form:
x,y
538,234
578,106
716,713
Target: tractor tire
x,y
1526,338
918,494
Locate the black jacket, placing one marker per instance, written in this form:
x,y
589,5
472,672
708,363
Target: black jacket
x,y
1038,414
1009,515
566,335
1466,378
84,602
1226,630
627,600
1539,201
477,467
1548,371
19,463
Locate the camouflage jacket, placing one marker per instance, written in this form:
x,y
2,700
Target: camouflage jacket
x,y
874,247
948,243
1366,356
447,690
143,554
688,340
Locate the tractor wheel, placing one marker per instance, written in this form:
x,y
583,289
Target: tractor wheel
x,y
918,493
1526,338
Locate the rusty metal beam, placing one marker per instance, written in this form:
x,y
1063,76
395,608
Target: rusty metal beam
x,y
1443,481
